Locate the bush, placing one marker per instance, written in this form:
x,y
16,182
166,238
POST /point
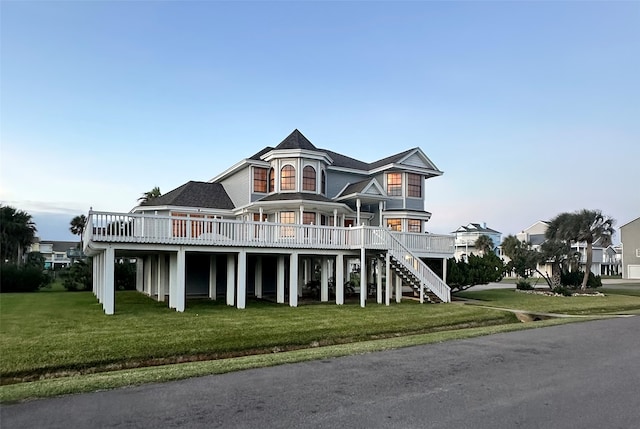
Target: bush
x,y
22,279
77,277
125,275
562,290
524,285
574,279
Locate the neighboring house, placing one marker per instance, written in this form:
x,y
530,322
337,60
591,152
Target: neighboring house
x,y
274,223
57,254
612,260
535,236
630,238
466,236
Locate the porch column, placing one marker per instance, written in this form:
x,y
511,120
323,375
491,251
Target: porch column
x,y
242,279
324,279
378,280
301,274
139,274
363,277
358,204
398,289
380,208
109,287
231,279
335,217
339,279
258,274
147,275
280,280
177,280
154,275
388,278
97,280
162,277
213,274
444,270
293,280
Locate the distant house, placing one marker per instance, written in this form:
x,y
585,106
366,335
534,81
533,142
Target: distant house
x,y
630,238
535,236
57,254
466,236
276,222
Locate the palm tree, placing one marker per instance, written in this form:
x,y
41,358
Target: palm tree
x,y
484,244
78,224
17,231
149,196
584,226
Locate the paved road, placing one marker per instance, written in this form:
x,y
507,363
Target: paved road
x,y
581,375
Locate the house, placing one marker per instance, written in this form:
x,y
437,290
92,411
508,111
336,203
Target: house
x,y
57,254
466,236
534,235
630,238
276,223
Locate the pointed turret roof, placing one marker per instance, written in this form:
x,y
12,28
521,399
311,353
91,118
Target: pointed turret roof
x,y
296,140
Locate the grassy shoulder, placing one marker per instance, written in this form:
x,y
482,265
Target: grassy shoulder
x,y
53,334
131,377
614,301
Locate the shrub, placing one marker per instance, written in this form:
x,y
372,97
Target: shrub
x,y
574,279
22,279
562,290
125,275
77,277
524,285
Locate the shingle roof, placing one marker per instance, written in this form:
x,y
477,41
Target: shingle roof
x,y
340,160
354,188
390,159
288,196
296,140
476,228
196,194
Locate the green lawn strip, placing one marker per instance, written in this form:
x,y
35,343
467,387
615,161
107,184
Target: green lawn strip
x,y
586,305
621,291
52,334
132,377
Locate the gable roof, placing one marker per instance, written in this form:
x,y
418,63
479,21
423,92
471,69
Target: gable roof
x,y
195,194
364,188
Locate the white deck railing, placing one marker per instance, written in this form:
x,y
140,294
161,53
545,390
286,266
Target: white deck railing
x,y
191,230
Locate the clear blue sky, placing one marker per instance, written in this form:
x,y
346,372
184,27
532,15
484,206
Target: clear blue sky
x,y
529,108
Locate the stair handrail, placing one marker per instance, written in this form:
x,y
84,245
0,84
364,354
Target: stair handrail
x,y
417,267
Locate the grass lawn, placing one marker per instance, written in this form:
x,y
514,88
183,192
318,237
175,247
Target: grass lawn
x,y
57,333
615,301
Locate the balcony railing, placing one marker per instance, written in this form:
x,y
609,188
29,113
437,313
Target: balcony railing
x,y
198,230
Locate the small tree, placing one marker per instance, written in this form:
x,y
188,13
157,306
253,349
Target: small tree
x,y
78,225
149,196
524,259
462,275
484,244
17,231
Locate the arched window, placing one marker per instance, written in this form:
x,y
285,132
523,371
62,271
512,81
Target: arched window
x,y
288,178
323,183
272,180
309,179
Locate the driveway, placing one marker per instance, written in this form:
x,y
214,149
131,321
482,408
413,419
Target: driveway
x,y
580,375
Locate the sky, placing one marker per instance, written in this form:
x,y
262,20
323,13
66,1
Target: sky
x,y
530,109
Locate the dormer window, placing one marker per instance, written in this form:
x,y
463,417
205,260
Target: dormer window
x,y
309,179
288,178
260,180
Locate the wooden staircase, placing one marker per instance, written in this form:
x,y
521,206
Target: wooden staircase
x,y
410,278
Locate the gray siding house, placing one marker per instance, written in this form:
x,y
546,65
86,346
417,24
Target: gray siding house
x,y
278,222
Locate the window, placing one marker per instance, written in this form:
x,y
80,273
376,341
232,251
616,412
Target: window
x,y
414,225
308,218
394,184
414,185
287,178
309,179
287,217
272,180
394,224
259,180
323,183
256,217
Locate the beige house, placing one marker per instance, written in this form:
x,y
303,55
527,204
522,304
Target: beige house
x,y
630,238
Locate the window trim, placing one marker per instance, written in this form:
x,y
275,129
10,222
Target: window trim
x,y
265,171
413,186
307,179
290,178
394,189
